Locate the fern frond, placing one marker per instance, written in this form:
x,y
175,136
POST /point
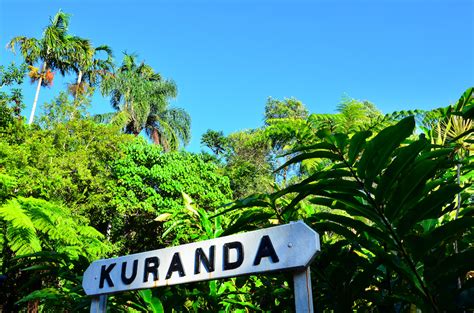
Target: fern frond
x,y
35,224
21,232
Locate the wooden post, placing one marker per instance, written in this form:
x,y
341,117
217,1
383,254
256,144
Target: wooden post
x,y
303,291
99,304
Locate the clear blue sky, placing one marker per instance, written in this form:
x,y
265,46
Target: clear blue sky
x,y
228,56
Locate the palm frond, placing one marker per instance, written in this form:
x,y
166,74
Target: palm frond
x,y
103,118
61,21
30,48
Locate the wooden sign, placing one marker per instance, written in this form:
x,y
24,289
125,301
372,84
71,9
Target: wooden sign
x,y
285,247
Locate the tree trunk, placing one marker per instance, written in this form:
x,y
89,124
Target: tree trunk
x,y
108,231
33,306
76,92
32,115
458,207
458,180
155,137
78,84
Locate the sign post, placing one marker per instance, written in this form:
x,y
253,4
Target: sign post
x,y
99,304
303,291
285,247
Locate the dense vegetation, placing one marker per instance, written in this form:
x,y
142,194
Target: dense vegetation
x,y
389,194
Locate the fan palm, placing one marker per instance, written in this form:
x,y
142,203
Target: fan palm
x,y
140,97
54,51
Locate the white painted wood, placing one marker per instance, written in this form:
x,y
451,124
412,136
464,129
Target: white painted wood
x,y
295,244
99,304
303,291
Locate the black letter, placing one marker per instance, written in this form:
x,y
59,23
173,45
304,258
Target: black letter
x,y
240,255
208,263
105,275
151,266
126,280
265,249
175,266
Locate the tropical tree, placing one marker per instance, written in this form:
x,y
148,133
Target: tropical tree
x,y
149,185
90,67
352,115
215,140
54,51
168,127
288,108
140,96
248,163
11,101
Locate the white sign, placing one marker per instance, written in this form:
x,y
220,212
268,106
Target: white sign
x,y
289,246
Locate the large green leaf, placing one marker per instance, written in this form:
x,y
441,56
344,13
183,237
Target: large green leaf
x,y
448,232
430,207
248,220
317,146
356,145
467,99
410,186
404,158
353,206
154,303
319,154
356,225
379,150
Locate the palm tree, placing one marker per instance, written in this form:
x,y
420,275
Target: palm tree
x,y
169,127
89,67
52,51
140,97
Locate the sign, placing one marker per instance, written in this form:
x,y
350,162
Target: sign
x,y
289,246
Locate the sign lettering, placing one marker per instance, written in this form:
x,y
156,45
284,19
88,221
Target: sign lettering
x,y
289,246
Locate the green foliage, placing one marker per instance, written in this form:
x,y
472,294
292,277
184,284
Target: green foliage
x,y
90,68
40,275
153,302
7,187
49,240
465,103
67,163
150,183
13,75
141,97
288,108
394,211
353,115
392,200
357,113
33,225
11,101
248,164
63,110
215,140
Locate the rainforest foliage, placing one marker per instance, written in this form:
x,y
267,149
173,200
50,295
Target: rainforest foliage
x,y
390,194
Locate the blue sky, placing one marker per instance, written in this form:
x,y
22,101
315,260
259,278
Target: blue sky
x,y
228,56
